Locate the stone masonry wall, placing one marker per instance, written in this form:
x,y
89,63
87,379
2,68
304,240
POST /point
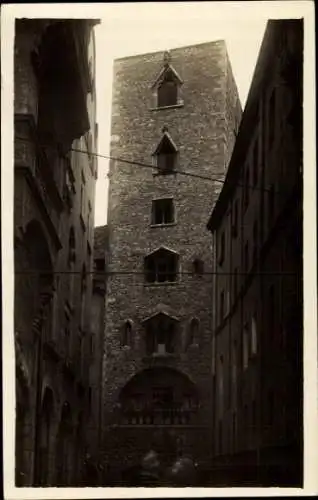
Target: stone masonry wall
x,y
200,130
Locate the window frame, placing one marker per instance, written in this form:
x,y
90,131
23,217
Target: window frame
x,y
157,262
158,201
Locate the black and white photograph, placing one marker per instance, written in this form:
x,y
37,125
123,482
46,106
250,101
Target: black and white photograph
x,y
158,300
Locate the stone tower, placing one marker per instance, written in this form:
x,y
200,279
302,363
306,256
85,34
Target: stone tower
x,y
173,112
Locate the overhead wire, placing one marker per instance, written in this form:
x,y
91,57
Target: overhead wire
x,y
156,167
150,166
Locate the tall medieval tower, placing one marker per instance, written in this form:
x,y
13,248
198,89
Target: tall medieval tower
x,y
173,113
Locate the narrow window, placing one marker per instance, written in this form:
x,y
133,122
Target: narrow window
x,y
193,331
222,305
272,118
271,205
246,188
166,155
254,336
168,91
92,344
235,219
255,163
270,408
234,431
222,248
198,267
271,310
89,399
221,383
166,161
99,265
246,257
245,345
253,419
255,241
220,437
126,334
161,337
234,277
71,247
67,334
162,211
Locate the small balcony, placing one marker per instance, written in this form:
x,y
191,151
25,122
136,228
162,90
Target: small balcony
x,y
169,416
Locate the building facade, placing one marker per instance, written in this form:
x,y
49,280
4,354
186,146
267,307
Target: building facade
x,y
257,308
55,119
172,113
93,430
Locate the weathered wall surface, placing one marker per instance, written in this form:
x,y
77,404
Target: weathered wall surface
x,y
200,128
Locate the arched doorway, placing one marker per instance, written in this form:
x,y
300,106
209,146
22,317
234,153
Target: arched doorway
x,y
158,396
157,407
64,447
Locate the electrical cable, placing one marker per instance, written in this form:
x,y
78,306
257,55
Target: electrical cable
x,y
155,167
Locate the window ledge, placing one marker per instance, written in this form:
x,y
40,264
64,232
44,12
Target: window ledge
x,y
163,355
167,224
163,173
179,105
164,283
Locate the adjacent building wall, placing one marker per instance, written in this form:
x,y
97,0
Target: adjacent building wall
x,y
54,110
257,234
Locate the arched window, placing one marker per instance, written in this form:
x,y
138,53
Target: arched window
x,y
168,84
161,335
126,337
166,155
193,332
167,92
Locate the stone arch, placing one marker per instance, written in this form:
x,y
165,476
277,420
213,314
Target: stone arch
x,y
158,396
